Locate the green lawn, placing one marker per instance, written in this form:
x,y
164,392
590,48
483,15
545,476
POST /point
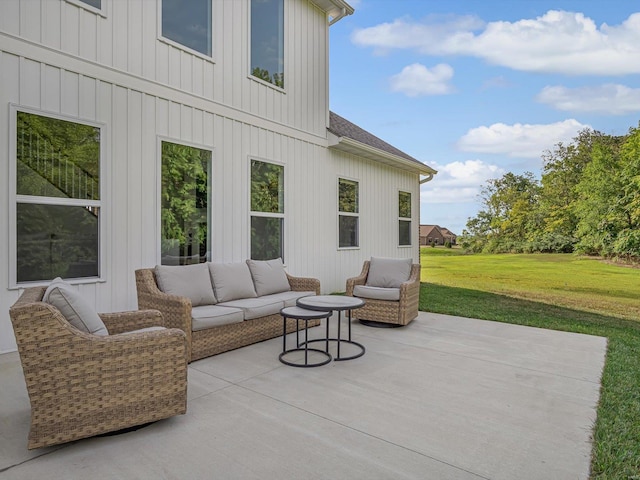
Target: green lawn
x,y
561,292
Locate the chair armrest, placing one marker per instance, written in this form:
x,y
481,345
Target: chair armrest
x,y
410,290
304,284
70,355
120,322
359,280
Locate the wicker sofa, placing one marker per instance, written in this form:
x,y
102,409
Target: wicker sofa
x,y
82,384
391,290
223,306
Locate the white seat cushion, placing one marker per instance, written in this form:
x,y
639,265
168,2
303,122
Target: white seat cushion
x,y
74,308
377,293
231,281
208,316
191,281
256,307
289,298
268,276
388,272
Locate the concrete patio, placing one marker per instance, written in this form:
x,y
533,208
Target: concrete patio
x,y
443,398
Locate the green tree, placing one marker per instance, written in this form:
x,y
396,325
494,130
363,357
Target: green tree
x,y
600,207
509,215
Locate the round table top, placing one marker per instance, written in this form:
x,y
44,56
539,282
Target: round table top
x,y
330,302
303,313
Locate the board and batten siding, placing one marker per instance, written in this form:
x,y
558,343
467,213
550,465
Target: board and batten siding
x,y
127,40
98,79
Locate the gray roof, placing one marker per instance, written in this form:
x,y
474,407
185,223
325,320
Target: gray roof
x,y
342,127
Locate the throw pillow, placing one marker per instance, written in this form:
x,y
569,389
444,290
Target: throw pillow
x,y
269,276
231,281
388,272
191,281
74,308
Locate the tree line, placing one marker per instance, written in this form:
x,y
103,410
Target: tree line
x,y
586,201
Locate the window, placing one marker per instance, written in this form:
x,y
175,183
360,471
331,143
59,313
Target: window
x,y
185,216
190,25
404,218
57,185
267,41
267,210
95,6
348,213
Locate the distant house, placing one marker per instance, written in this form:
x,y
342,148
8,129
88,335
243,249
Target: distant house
x,y
436,235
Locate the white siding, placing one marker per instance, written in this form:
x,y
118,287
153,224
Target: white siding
x,y
127,39
91,67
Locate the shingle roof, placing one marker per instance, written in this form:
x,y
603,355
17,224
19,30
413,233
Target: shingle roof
x,y
344,128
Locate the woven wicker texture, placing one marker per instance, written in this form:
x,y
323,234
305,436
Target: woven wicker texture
x,y
204,343
400,312
81,385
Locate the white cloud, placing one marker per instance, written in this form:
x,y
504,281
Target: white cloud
x,y
519,140
607,99
459,182
558,42
417,80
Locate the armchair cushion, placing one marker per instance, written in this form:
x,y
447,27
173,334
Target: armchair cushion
x,y
377,293
269,276
190,281
143,330
74,308
388,272
232,281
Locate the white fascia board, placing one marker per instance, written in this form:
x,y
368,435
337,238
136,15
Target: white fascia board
x,y
358,148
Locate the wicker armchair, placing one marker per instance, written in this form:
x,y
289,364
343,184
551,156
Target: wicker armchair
x,y
81,385
389,313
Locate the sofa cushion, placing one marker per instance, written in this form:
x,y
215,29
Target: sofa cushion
x,y
388,272
191,281
289,298
208,316
268,276
256,307
376,293
231,281
74,308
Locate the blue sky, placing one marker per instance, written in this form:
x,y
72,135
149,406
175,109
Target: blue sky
x,y
478,88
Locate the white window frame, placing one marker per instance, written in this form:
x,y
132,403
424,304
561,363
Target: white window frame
x,y
347,214
14,198
180,46
160,140
284,51
81,4
405,219
253,213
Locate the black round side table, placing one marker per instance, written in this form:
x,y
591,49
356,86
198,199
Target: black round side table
x,y
299,313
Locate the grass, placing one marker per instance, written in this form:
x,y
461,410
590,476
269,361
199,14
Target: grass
x,y
560,292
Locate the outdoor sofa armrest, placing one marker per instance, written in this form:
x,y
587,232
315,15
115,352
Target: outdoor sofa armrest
x,y
304,284
175,309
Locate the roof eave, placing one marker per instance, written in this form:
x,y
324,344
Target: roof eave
x,y
352,146
334,8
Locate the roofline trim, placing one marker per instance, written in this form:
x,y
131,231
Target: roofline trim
x,y
407,164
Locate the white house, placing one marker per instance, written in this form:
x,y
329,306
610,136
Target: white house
x,y
136,132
